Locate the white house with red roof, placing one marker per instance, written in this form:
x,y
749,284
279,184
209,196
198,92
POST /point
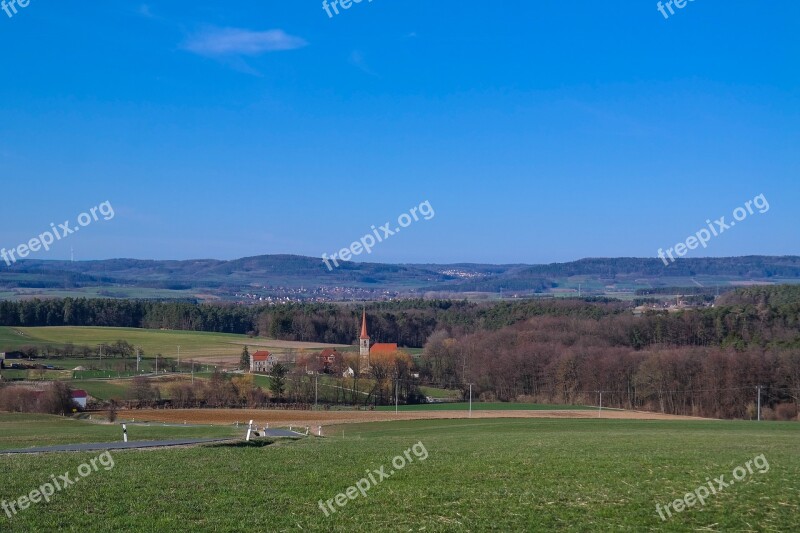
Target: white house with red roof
x,y
80,397
262,361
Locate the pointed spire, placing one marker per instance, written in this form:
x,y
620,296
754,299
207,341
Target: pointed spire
x,y
364,325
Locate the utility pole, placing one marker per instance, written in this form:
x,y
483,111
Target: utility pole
x,y
179,358
759,402
156,364
137,360
396,409
316,389
192,371
601,404
470,400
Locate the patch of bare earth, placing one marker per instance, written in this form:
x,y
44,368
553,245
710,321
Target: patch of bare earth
x,y
287,345
327,418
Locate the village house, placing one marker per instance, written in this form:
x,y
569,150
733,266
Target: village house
x,y
80,397
328,360
262,362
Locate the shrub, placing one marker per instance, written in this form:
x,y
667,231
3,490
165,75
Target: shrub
x,y
786,411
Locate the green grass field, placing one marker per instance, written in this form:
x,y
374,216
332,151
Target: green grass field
x,y
440,393
194,344
103,390
502,475
19,430
98,292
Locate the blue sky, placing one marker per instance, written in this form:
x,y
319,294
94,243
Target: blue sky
x,y
539,131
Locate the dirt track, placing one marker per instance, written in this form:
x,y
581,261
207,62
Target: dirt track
x,y
327,418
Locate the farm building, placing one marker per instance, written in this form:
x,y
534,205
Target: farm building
x,y
80,396
262,361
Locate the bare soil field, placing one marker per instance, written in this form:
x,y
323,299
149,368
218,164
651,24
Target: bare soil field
x,y
327,418
287,345
283,350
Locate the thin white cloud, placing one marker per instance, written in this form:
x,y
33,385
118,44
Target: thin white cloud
x,y
144,10
217,42
357,60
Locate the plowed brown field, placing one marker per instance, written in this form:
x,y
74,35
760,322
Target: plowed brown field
x,y
328,418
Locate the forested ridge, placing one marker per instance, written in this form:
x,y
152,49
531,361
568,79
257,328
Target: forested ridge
x,y
226,278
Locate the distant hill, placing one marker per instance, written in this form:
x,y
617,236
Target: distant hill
x,y
297,277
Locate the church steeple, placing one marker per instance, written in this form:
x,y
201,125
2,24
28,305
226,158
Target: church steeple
x,y
364,325
363,344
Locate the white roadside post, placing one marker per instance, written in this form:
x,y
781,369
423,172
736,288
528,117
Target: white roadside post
x,y
124,433
249,430
319,431
470,400
759,402
600,411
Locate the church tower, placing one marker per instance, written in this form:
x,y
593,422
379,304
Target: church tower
x,y
364,344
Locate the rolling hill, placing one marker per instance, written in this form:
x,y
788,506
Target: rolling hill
x,y
295,278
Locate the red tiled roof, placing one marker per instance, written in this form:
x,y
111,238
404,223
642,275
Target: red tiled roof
x,y
261,356
79,393
386,347
327,352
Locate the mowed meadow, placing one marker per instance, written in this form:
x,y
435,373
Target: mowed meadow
x,y
194,344
495,474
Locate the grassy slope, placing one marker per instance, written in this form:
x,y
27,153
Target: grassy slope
x,y
509,475
26,430
99,292
103,390
193,344
434,392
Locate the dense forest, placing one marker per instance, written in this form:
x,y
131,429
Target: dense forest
x,y
705,362
753,266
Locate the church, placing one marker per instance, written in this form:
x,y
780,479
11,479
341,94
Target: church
x,y
365,351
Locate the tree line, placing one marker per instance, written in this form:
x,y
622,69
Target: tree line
x,y
407,322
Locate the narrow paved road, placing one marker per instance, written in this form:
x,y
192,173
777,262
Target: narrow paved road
x,y
279,433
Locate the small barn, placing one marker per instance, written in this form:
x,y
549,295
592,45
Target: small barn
x,y
80,397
